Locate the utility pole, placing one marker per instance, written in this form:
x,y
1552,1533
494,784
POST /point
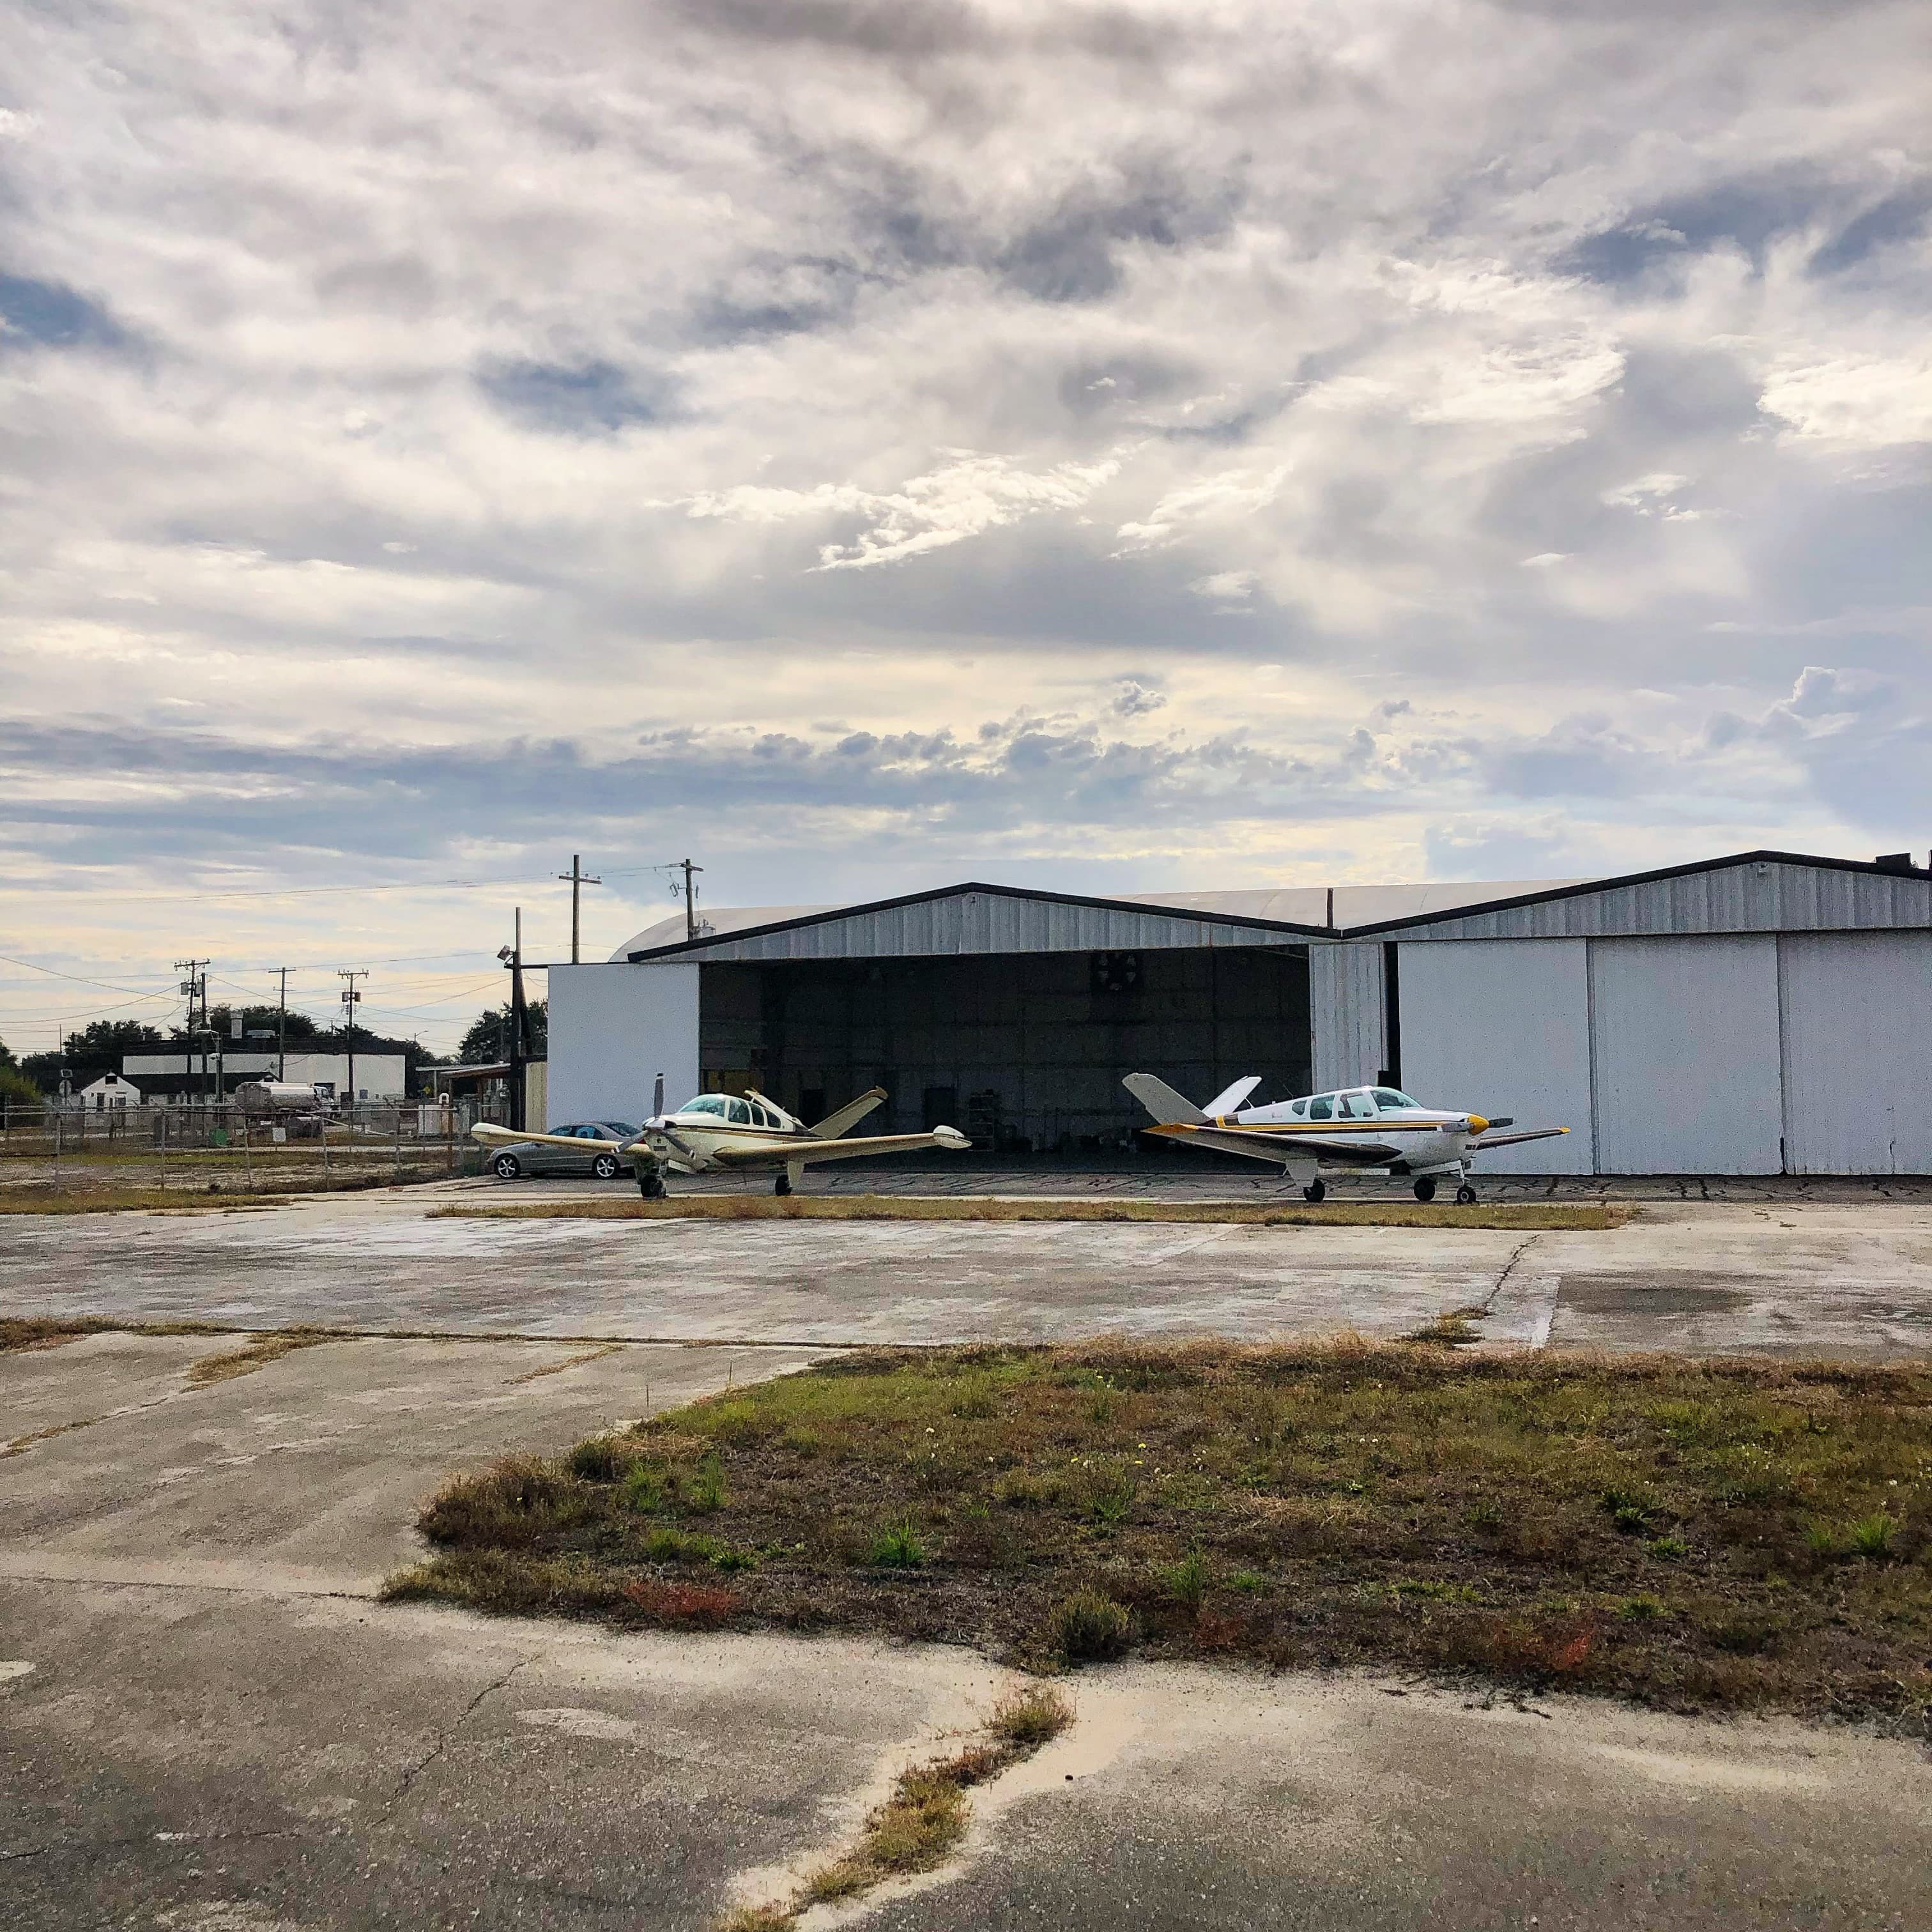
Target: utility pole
x,y
690,898
578,878
512,956
282,1030
351,999
196,987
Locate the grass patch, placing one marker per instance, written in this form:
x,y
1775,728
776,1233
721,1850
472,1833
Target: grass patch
x,y
925,1816
1698,1534
19,1334
1452,1330
1526,1216
257,1354
133,1200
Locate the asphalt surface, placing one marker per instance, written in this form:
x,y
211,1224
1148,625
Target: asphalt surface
x,y
208,1725
1841,1277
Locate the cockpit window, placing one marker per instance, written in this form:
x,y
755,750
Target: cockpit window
x,y
1358,1107
741,1114
1322,1107
1387,1097
706,1103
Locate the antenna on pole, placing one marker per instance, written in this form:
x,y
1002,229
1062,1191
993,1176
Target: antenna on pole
x,y
351,999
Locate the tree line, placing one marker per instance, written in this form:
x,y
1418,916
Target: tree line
x,y
99,1047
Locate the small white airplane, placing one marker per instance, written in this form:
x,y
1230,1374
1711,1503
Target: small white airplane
x,y
729,1132
1357,1128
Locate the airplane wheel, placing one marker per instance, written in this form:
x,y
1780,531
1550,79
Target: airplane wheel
x,y
782,1185
1425,1188
607,1167
1465,1195
651,1186
1314,1191
507,1166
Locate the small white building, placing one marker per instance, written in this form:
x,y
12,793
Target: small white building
x,y
109,1091
181,1076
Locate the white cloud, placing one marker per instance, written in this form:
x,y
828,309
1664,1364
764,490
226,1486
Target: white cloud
x,y
422,409
1854,402
963,498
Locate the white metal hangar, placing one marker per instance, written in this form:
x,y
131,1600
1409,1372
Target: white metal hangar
x,y
1764,1013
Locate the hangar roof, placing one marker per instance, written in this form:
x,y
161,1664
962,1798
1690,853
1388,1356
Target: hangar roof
x,y
1743,892
1314,907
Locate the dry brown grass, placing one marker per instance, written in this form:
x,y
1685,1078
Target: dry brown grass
x,y
925,1816
1694,1533
257,1354
1527,1216
133,1200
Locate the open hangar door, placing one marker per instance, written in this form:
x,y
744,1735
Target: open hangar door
x,y
1502,1026
1857,1014
1024,1052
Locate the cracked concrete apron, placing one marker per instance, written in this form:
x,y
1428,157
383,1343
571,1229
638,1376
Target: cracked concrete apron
x,y
1847,1279
208,1725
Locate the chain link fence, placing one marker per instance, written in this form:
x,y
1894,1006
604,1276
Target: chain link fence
x,y
185,1143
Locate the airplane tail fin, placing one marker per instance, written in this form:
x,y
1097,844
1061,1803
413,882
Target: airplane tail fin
x,y
1232,1100
752,1093
849,1115
1167,1107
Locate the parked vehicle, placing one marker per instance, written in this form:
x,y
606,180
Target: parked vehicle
x,y
588,1147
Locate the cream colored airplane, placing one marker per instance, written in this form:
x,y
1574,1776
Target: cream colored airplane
x,y
732,1133
1358,1128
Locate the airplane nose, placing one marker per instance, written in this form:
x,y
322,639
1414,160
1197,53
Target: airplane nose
x,y
1477,1125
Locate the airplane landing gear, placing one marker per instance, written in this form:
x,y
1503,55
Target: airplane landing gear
x,y
1314,1191
1425,1188
782,1185
650,1184
1465,1195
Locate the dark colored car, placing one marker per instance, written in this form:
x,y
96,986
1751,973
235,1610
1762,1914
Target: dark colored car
x,y
599,1157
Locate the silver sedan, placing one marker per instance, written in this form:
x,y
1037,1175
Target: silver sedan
x,y
597,1156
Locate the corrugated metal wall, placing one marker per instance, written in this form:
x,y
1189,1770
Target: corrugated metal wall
x,y
988,922
1346,1008
1763,896
1684,1039
1857,1012
1502,1026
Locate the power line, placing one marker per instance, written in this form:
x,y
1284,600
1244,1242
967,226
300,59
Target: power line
x,y
307,891
78,979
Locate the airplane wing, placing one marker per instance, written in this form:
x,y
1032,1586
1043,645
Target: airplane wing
x,y
797,1151
1509,1140
1281,1144
490,1134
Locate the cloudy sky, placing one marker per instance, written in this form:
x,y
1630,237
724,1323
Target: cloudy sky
x,y
868,443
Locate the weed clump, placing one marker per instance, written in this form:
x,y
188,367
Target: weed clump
x,y
602,1458
1089,1627
1186,1582
896,1547
1030,1717
1871,1537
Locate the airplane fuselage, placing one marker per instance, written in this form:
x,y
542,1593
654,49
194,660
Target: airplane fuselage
x,y
1362,1127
